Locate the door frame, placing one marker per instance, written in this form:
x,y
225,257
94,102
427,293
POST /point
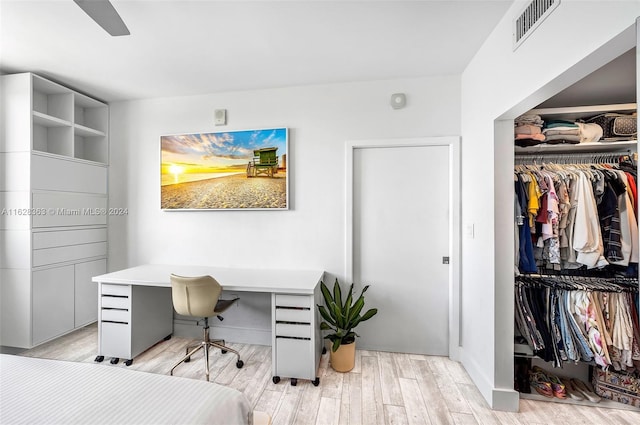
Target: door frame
x,y
453,144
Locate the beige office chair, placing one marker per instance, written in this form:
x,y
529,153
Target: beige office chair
x,y
199,297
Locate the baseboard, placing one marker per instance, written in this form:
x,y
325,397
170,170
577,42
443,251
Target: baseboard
x,y
497,398
189,329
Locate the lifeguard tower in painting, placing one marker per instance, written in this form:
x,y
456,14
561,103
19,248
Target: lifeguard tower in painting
x,y
264,162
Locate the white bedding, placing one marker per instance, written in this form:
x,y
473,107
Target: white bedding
x,y
38,391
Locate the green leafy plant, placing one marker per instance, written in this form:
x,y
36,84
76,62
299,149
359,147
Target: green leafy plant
x,y
342,318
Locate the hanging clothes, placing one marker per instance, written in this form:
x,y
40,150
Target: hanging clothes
x,y
571,319
579,216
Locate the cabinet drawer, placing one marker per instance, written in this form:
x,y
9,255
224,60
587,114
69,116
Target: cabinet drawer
x,y
62,174
115,302
294,301
69,209
61,254
299,331
109,289
43,240
115,315
293,315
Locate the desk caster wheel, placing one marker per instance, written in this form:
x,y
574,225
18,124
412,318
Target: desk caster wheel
x,y
239,364
294,382
316,382
128,362
324,350
167,338
114,360
99,359
224,351
275,379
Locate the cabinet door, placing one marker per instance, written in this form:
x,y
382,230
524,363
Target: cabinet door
x,y
53,305
86,291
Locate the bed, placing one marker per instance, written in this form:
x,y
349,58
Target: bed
x,y
36,391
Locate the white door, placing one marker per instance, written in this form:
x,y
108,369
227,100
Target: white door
x,y
401,225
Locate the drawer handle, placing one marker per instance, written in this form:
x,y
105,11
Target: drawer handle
x,y
114,321
281,307
293,323
293,337
115,296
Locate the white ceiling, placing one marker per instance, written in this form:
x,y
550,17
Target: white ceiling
x,y
194,47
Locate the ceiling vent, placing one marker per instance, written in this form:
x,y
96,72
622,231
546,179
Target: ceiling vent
x,y
531,18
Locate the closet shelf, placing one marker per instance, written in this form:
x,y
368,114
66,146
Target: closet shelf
x,y
578,112
567,148
46,120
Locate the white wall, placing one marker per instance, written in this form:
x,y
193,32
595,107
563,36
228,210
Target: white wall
x,y
320,118
496,81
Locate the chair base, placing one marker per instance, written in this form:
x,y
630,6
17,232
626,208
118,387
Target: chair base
x,y
205,344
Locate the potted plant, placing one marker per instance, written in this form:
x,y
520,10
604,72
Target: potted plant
x,y
341,318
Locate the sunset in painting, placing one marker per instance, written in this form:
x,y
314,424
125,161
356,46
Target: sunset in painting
x,y
227,170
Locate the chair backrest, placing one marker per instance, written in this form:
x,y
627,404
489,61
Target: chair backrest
x,y
195,296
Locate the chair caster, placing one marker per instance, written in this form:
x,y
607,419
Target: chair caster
x,y
114,360
316,382
324,350
187,360
294,382
224,351
275,379
239,364
99,359
128,362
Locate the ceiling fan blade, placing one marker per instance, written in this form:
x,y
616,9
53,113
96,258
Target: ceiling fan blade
x,y
105,15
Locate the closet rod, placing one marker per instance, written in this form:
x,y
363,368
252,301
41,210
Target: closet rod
x,y
571,158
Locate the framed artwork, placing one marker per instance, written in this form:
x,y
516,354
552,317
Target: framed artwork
x,y
231,170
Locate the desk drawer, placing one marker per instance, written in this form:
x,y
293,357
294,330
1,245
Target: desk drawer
x,y
297,331
108,289
112,315
293,315
115,340
115,302
304,301
294,358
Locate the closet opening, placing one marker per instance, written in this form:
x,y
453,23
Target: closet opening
x,y
573,237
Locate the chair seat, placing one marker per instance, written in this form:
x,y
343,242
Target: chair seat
x,y
222,305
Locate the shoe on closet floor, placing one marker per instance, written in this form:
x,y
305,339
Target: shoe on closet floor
x,y
559,388
540,382
571,391
585,390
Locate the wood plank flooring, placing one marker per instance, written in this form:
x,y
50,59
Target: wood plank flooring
x,y
383,388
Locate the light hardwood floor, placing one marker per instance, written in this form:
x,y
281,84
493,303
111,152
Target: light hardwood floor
x,y
383,388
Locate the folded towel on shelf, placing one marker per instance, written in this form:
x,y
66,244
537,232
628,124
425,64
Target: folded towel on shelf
x,y
529,119
561,130
563,138
528,129
560,123
589,132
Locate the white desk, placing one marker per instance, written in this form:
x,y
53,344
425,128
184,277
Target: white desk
x,y
135,312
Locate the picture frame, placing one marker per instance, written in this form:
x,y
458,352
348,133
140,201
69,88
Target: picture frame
x,y
227,170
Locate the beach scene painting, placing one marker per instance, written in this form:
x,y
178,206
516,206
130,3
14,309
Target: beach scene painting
x,y
227,170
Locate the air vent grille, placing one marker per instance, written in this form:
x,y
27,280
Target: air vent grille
x,y
531,18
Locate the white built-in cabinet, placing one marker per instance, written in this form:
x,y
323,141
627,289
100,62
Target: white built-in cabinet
x,y
54,151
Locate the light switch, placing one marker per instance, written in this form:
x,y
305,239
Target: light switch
x,y
469,230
